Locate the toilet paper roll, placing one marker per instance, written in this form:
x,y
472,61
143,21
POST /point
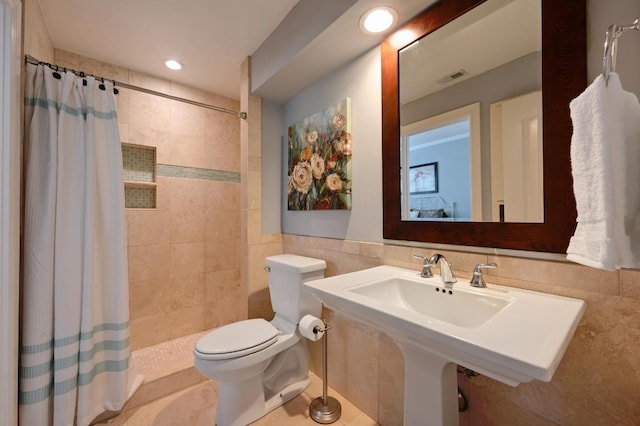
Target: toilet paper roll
x,y
311,327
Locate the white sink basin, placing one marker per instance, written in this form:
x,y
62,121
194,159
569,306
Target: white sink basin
x,y
433,300
509,334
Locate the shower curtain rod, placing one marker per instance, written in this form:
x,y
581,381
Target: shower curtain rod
x,y
31,60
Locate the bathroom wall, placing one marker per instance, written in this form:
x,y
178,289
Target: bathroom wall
x,y
36,40
601,14
596,382
257,240
360,80
184,267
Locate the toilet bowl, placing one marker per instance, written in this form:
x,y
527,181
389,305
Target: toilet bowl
x,y
261,364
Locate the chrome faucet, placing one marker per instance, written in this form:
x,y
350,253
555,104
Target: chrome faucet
x,y
426,266
478,280
446,274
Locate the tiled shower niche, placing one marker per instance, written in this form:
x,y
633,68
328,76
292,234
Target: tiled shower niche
x,y
139,174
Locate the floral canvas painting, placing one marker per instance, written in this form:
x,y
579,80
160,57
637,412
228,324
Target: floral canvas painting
x,y
320,160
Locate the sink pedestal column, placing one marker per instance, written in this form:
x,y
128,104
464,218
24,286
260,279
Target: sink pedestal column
x,y
430,388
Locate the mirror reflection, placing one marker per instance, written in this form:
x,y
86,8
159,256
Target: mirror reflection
x,y
471,118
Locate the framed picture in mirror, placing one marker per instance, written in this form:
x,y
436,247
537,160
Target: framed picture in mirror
x,y
423,178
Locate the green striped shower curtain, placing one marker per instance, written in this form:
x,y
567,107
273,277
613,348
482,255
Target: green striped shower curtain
x,y
75,356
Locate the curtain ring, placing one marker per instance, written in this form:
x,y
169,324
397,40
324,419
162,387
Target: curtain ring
x,y
55,73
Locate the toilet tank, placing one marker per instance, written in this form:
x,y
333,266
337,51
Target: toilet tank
x,y
287,272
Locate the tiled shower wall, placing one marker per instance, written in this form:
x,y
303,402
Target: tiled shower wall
x,y
184,272
596,383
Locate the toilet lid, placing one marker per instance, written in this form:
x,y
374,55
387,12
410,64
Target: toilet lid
x,y
237,339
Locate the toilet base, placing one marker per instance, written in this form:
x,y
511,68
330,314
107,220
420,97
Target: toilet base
x,y
240,403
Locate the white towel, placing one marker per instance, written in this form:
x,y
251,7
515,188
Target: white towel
x,y
605,157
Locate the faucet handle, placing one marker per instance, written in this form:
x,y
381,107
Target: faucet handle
x,y
478,280
426,265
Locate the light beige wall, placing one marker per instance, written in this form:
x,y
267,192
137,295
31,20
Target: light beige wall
x,y
597,382
37,41
184,272
256,246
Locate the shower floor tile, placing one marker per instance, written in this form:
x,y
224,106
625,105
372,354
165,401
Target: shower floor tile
x,y
165,358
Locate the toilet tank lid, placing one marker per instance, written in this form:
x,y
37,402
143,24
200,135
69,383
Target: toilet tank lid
x,y
295,263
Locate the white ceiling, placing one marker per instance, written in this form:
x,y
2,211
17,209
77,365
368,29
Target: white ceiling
x,y
210,37
493,34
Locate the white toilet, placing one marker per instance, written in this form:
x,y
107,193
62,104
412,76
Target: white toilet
x,y
258,364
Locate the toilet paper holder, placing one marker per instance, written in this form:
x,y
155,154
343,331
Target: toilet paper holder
x,y
324,409
324,329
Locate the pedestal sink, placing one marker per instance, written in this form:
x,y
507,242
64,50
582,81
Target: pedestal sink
x,y
511,335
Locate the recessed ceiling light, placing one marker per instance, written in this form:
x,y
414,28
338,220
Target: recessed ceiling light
x,y
172,64
378,20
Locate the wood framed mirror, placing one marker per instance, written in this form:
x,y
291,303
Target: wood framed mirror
x,y
563,78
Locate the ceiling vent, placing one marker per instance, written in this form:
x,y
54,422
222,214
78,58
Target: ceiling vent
x,y
452,77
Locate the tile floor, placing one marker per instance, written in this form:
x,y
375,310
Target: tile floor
x,y
196,406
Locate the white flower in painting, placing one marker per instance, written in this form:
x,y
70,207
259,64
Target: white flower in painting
x,y
302,177
343,145
337,121
312,137
317,166
334,183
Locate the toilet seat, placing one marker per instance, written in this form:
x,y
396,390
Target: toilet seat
x,y
237,339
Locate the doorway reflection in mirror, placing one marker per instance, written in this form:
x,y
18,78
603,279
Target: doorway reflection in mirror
x,y
486,56
441,155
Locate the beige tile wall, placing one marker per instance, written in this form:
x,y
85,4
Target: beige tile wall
x,y
597,383
184,273
255,246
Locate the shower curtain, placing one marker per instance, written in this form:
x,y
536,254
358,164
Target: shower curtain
x,y
75,356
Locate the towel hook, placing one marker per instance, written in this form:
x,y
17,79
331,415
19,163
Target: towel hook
x,y
611,46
